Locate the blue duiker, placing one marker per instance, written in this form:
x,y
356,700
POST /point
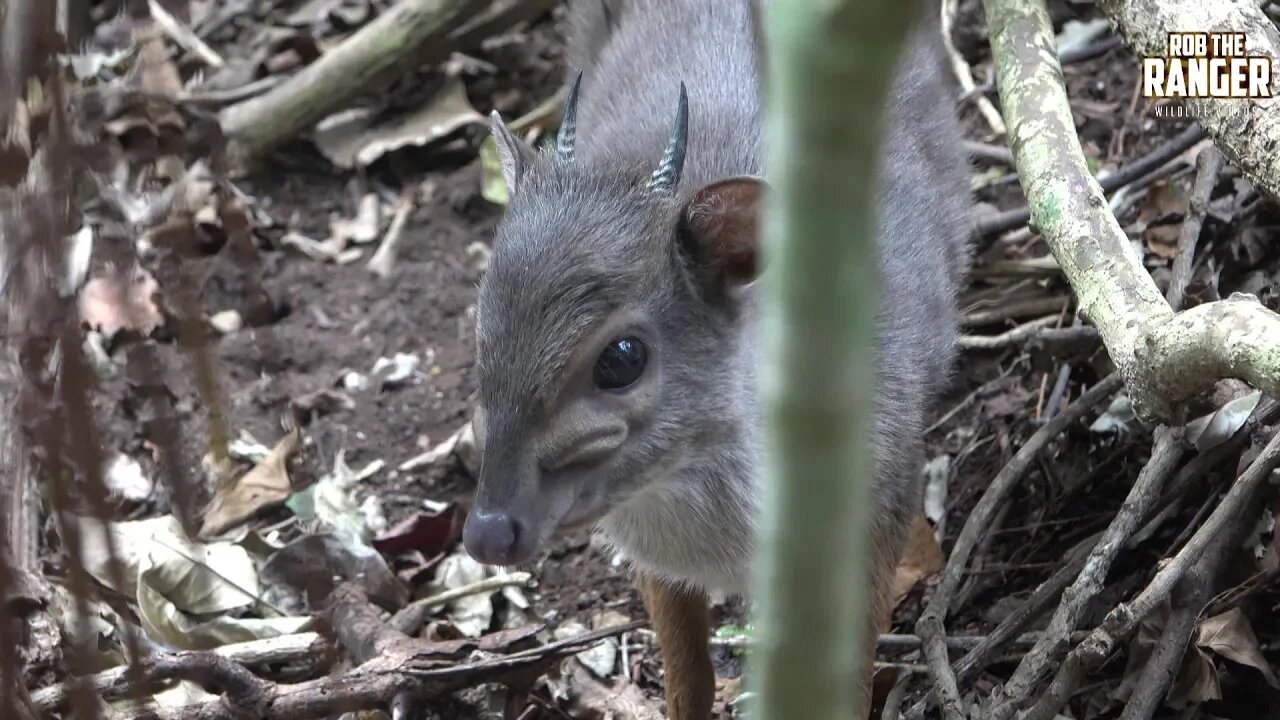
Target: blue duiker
x,y
617,338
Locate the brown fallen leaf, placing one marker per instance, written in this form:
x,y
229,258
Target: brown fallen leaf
x,y
1197,679
356,138
598,700
110,304
1197,682
1162,240
1230,635
923,558
265,486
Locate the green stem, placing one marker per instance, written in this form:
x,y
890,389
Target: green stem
x,y
818,378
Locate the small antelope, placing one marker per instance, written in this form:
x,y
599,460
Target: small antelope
x,y
617,329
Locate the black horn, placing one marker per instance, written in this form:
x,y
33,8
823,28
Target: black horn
x,y
569,124
667,176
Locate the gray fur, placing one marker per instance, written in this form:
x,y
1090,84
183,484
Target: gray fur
x,y
584,253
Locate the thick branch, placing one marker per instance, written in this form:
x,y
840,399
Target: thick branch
x,y
1164,358
259,123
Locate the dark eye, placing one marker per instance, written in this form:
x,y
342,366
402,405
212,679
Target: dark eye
x,y
621,364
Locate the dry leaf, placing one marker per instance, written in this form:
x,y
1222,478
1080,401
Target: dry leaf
x,y
108,306
181,587
355,138
1163,201
1197,681
1230,635
1162,240
266,485
621,701
922,559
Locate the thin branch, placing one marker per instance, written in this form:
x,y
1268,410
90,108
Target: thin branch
x,y
1189,598
1016,309
1039,661
1208,164
1232,513
1016,336
1005,220
992,153
183,35
410,617
930,626
963,73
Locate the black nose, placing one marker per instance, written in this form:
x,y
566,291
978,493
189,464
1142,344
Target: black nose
x,y
495,538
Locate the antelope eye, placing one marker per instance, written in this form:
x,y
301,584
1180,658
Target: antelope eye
x,y
620,364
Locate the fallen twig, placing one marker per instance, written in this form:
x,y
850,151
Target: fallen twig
x,y
1016,217
410,617
1208,164
964,73
930,627
1013,310
986,151
1036,665
1016,336
183,35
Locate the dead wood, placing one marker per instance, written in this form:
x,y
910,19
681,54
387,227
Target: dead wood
x,y
409,34
387,664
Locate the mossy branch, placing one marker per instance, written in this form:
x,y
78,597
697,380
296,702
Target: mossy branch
x,y
1164,357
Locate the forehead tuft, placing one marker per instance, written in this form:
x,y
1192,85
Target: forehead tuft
x,y
572,249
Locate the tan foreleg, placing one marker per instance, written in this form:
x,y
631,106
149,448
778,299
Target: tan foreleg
x,y
680,618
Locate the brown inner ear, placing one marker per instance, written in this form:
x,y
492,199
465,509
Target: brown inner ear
x,y
722,219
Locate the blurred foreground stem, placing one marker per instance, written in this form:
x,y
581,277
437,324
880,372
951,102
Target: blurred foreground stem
x,y
830,69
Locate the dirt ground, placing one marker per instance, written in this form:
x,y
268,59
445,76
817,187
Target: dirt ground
x,y
325,320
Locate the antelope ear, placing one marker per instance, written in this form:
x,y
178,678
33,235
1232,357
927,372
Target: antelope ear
x,y
719,229
513,154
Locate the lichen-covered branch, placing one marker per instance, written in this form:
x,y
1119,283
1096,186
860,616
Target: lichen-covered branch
x,y
1247,131
1164,357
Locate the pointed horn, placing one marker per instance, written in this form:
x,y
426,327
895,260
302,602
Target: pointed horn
x,y
667,176
569,124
